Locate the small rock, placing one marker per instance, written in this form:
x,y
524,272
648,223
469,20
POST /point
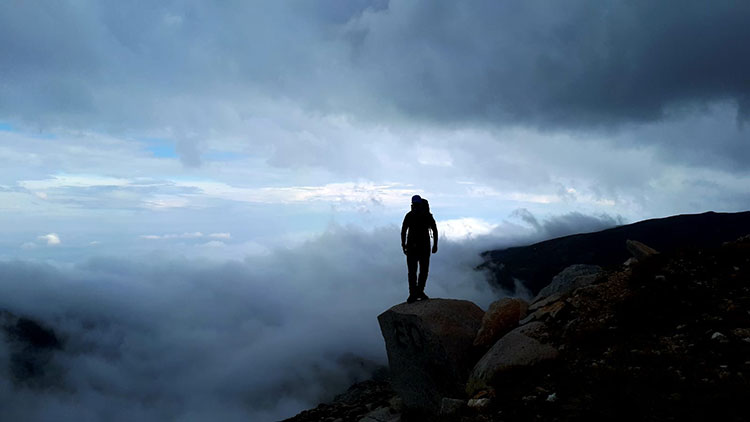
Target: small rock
x,y
718,337
528,319
479,404
569,279
396,403
381,414
659,278
552,398
450,407
544,302
638,249
484,394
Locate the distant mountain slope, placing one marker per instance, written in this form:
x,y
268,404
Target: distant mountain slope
x,y
536,264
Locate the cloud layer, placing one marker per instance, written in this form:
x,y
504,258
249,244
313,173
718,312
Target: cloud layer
x,y
162,337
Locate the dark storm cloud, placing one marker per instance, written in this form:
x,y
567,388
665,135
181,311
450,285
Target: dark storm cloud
x,y
574,64
193,71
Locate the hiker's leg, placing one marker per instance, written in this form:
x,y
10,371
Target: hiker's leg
x,y
411,265
424,270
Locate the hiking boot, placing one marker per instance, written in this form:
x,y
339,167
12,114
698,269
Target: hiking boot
x,y
423,296
411,299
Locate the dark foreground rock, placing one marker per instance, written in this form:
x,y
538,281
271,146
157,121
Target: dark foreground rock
x,y
429,345
571,278
361,400
521,349
501,317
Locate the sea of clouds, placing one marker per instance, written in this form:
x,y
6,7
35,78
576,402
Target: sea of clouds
x,y
163,337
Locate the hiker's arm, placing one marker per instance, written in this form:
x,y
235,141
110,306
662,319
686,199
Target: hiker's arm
x,y
435,236
404,226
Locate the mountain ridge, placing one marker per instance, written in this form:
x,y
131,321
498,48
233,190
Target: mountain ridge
x,y
534,265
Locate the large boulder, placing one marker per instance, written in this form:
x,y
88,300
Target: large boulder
x,y
569,279
521,348
501,317
429,345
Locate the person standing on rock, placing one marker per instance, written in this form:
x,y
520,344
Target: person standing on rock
x,y
416,245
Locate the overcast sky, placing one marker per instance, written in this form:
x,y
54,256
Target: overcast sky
x,y
269,120
236,130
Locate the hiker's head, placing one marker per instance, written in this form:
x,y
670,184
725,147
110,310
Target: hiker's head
x,y
416,199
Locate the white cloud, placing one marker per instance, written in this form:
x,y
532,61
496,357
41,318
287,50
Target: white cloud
x,y
52,239
28,245
464,228
213,244
75,181
186,235
346,192
220,235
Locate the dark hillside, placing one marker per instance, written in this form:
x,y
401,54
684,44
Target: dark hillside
x,y
536,264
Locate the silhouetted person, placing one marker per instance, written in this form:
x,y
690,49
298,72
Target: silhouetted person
x,y
416,246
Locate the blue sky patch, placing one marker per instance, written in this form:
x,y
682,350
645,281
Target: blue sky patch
x,y
216,155
161,148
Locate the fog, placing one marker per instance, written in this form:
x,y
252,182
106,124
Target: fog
x,y
161,337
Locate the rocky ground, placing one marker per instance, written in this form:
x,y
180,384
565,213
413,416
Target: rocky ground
x,y
374,397
665,338
668,339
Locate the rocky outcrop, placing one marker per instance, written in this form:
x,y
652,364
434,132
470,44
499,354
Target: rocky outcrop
x,y
519,349
429,347
501,317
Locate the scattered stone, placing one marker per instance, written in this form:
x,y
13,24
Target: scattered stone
x,y
381,414
569,279
718,337
528,319
451,407
479,404
552,398
639,250
545,301
429,346
501,317
396,403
